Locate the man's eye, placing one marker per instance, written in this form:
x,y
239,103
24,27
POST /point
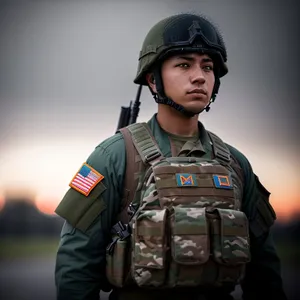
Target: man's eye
x,y
208,68
183,65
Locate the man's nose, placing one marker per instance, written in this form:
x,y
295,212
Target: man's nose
x,y
197,76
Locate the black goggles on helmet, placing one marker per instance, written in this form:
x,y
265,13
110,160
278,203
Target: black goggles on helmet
x,y
195,33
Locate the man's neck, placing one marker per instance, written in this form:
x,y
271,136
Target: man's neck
x,y
176,123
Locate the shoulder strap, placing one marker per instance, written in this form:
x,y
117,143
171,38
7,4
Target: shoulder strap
x,y
145,143
132,166
220,150
222,153
139,141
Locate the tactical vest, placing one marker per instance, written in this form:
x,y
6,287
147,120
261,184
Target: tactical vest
x,y
180,224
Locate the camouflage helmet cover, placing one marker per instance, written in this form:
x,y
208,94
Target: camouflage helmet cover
x,y
181,33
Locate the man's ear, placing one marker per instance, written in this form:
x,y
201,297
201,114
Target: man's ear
x,y
151,82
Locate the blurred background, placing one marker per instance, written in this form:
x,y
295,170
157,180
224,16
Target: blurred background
x,y
67,67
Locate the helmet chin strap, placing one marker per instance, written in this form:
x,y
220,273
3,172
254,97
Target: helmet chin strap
x,y
161,98
168,101
214,94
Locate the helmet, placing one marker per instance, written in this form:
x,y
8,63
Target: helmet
x,y
180,33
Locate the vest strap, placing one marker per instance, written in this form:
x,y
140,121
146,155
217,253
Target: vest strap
x,y
144,142
221,152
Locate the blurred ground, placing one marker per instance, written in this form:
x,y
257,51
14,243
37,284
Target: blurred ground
x,y
29,279
30,276
29,239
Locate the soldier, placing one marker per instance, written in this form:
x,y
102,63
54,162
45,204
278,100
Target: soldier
x,y
198,221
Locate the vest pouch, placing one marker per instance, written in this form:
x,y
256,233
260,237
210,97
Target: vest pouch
x,y
149,246
189,246
230,244
117,263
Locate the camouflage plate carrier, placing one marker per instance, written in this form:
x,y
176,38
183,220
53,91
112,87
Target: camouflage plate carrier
x,y
181,224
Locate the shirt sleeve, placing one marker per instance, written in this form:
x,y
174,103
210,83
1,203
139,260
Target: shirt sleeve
x,y
263,278
80,260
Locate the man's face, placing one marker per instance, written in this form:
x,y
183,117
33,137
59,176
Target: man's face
x,y
189,80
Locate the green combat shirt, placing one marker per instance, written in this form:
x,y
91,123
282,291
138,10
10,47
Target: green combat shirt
x,y
80,261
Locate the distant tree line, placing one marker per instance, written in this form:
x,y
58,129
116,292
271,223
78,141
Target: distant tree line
x,y
21,218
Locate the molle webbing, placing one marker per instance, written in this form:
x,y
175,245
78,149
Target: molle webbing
x,y
146,147
145,143
220,150
223,155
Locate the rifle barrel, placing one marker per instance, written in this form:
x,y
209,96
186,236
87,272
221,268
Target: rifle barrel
x,y
136,106
125,115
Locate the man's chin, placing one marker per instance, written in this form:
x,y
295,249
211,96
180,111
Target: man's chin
x,y
195,110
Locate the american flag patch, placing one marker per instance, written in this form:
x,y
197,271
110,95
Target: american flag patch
x,y
85,179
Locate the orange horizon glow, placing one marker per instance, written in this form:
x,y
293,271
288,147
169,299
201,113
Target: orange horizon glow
x,y
48,204
54,173
2,202
286,208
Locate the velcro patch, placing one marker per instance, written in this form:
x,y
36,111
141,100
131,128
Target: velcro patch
x,y
85,179
184,179
222,182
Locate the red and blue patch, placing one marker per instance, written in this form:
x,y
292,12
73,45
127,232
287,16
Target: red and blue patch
x,y
184,179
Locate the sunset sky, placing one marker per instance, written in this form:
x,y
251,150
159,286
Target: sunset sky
x,y
66,67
